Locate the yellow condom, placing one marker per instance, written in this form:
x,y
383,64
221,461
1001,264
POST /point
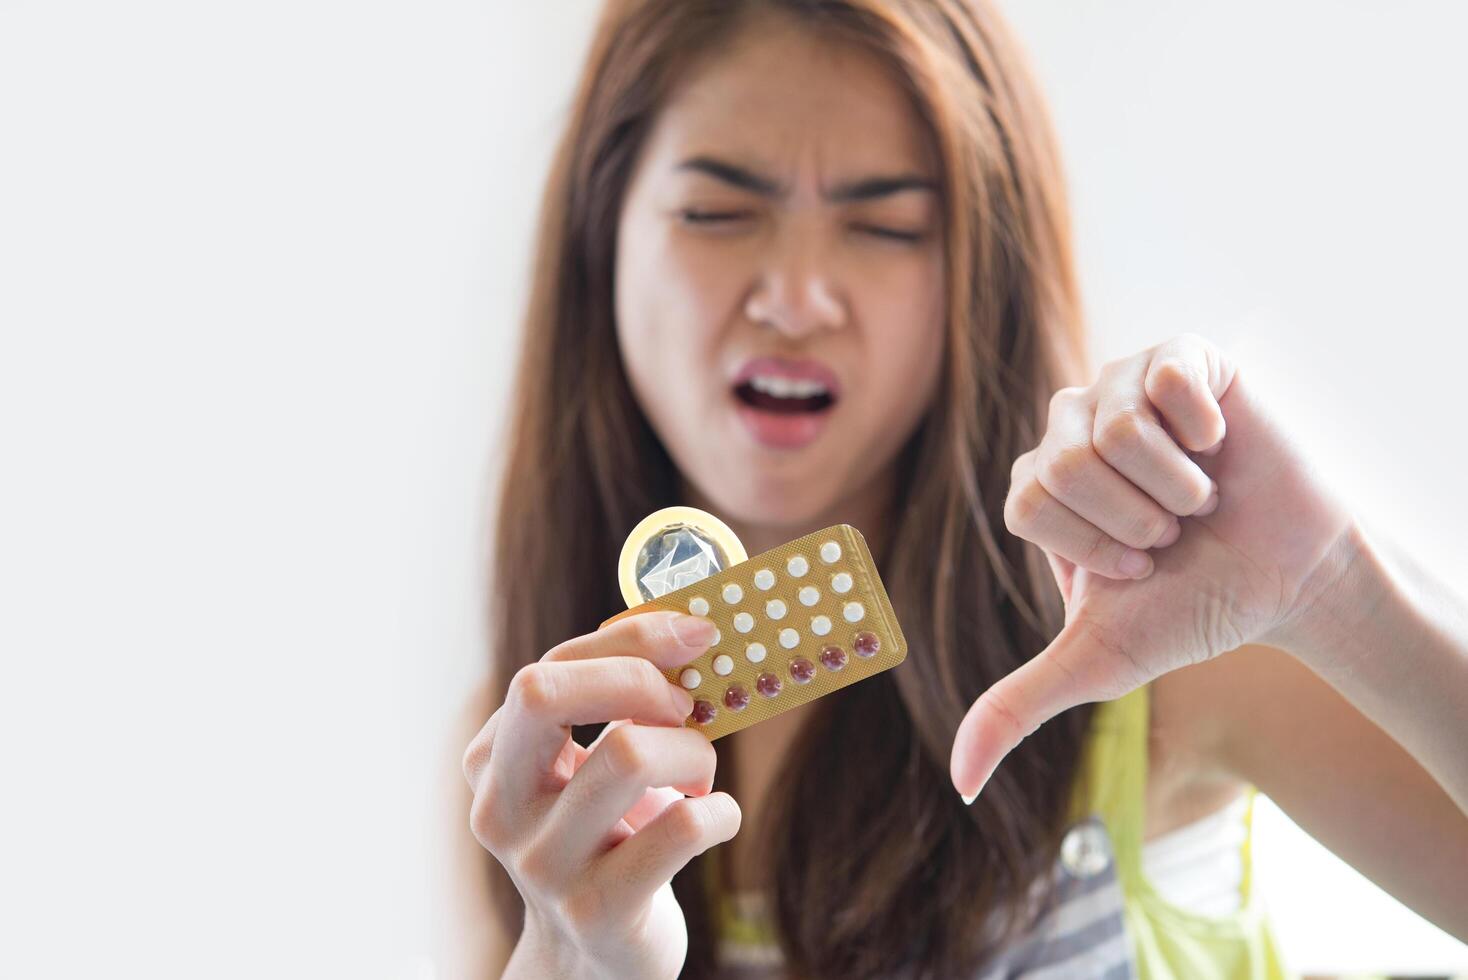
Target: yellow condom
x,y
673,548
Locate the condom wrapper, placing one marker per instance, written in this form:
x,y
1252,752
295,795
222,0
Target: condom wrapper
x,y
794,623
673,548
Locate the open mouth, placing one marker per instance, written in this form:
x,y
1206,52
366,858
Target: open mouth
x,y
784,396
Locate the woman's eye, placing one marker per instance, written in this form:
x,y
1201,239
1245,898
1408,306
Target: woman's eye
x,y
891,233
696,217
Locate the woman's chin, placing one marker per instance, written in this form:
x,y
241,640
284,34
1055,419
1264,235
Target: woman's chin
x,y
794,506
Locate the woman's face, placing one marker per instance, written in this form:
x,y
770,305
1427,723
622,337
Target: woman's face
x,y
779,280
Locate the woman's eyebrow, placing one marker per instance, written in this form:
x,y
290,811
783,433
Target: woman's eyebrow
x,y
864,189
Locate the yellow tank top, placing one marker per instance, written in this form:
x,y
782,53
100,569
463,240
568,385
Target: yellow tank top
x,y
1165,941
1108,920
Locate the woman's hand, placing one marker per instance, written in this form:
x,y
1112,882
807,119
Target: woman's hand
x,y
1179,524
593,836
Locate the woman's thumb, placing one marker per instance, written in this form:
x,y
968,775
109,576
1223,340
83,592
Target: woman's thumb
x,y
1066,673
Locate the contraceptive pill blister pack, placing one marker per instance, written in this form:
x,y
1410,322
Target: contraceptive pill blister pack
x,y
794,623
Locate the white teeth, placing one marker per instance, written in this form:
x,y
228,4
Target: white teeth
x,y
786,387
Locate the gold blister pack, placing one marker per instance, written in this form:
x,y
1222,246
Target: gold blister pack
x,y
782,661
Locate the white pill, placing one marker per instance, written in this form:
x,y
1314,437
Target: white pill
x,y
821,625
723,665
755,652
841,582
699,606
717,637
830,552
775,609
853,612
789,638
797,566
810,595
690,678
764,579
733,593
743,622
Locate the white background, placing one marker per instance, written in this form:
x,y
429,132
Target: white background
x,y
260,270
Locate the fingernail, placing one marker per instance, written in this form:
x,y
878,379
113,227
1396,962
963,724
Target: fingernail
x,y
1135,564
969,800
694,631
1209,505
1173,532
682,701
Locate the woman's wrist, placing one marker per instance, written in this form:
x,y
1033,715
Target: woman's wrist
x,y
1365,602
1338,616
1394,642
540,956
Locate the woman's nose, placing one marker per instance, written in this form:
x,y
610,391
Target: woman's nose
x,y
796,296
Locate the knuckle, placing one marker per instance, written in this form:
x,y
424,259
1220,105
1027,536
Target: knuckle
x,y
1120,435
686,823
474,757
1023,505
485,823
642,675
1020,466
648,632
1169,378
1060,471
1148,528
624,753
1001,710
533,687
479,749
1061,398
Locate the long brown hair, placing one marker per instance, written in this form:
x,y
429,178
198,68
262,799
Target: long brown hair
x,y
881,868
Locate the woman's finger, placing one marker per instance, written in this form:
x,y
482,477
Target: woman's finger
x,y
665,639
640,865
1082,664
1070,468
1128,435
1031,512
547,697
616,777
1186,378
668,639
652,802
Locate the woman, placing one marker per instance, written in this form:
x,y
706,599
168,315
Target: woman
x,y
808,262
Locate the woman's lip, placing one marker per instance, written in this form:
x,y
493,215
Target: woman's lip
x,y
782,430
796,370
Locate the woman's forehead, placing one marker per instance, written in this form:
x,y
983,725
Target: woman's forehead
x,y
792,107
